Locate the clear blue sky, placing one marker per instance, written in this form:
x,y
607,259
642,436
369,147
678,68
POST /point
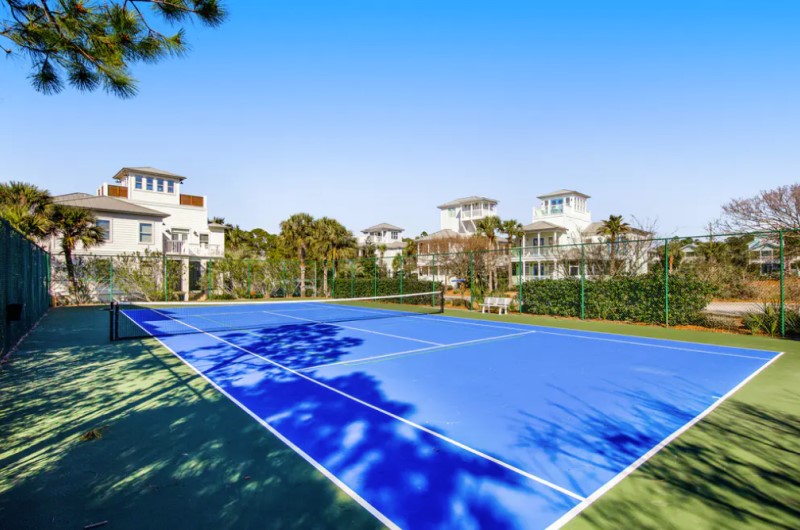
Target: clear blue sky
x,y
378,110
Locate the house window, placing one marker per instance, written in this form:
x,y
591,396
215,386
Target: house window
x,y
138,184
557,206
574,270
170,187
149,184
451,212
105,224
395,235
180,234
203,240
160,185
145,232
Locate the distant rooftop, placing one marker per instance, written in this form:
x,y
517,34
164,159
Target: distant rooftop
x,y
106,204
466,200
382,227
543,225
153,171
558,193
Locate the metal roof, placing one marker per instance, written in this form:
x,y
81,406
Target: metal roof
x,y
106,204
381,227
563,192
542,225
466,200
148,171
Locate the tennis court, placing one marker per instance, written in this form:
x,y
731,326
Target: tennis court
x,y
433,421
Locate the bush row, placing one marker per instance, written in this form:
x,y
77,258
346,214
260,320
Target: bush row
x,y
626,298
363,287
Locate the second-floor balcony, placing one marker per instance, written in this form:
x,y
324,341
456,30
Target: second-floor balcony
x,y
184,248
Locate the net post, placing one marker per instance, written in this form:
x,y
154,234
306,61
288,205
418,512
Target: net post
x,y
520,270
666,282
111,317
441,300
782,285
471,279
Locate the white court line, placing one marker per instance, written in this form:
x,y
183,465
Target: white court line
x,y
322,322
564,519
442,437
318,466
418,350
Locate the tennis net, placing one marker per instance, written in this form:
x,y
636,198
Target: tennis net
x,y
130,320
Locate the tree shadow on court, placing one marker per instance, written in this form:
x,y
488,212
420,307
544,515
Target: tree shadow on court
x,y
738,467
409,475
173,452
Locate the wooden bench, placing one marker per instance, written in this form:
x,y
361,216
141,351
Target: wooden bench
x,y
502,304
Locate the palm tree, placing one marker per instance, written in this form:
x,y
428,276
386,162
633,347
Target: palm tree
x,y
331,241
513,231
26,208
488,227
613,227
297,231
75,225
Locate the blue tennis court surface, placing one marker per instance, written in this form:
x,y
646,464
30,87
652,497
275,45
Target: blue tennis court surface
x,y
432,421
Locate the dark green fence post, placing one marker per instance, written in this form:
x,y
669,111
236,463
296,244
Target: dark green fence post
x,y
402,273
316,294
111,279
283,265
666,282
520,274
333,280
375,277
210,273
433,278
583,281
471,278
352,278
166,279
783,292
249,284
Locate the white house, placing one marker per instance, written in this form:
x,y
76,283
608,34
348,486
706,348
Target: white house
x,y
462,215
386,238
145,211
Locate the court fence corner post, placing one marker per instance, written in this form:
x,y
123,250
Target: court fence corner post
x,y
520,275
666,282
782,242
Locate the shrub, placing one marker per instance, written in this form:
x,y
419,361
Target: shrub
x,y
627,298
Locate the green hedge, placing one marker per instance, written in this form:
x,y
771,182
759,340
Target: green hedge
x,y
363,287
626,298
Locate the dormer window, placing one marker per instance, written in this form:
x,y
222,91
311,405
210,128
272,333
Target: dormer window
x,y
149,184
170,187
160,185
395,235
138,182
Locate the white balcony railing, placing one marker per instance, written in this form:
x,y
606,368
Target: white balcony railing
x,y
182,248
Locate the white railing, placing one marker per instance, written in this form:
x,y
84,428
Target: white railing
x,y
182,248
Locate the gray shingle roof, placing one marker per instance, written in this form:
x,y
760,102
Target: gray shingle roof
x,y
106,204
381,227
543,225
466,200
562,192
149,171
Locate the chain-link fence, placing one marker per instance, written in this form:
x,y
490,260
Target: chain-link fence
x,y
737,282
24,285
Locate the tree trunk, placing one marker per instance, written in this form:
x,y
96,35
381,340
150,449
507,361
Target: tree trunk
x,y
325,278
612,265
73,280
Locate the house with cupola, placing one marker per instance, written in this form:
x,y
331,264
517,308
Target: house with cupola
x,y
145,211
